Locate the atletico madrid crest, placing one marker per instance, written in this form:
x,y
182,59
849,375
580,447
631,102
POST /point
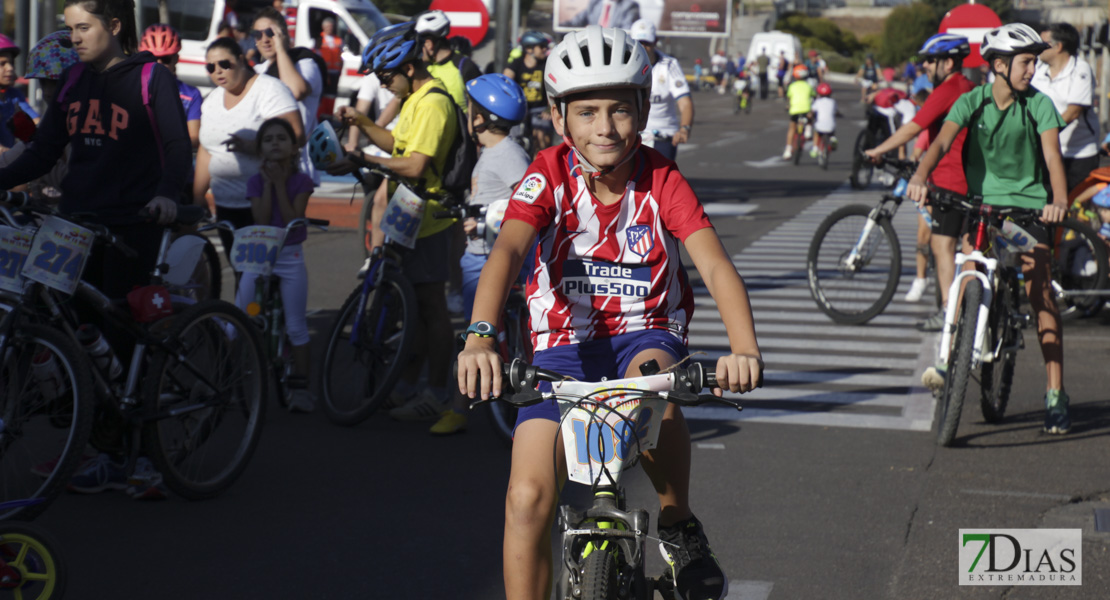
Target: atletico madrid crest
x,y
640,239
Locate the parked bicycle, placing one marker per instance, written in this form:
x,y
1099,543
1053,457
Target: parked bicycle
x,y
854,263
254,254
190,396
985,332
371,339
31,566
605,427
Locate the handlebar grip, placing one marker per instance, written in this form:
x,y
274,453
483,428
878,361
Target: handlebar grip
x,y
319,222
19,199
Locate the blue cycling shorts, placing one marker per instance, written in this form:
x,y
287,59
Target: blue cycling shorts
x,y
595,359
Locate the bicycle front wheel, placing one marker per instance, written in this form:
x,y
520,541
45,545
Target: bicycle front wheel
x,y
46,412
364,360
1079,264
852,275
599,576
998,374
40,573
207,399
959,364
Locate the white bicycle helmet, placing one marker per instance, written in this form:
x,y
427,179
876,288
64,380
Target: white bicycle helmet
x,y
585,60
432,23
323,146
1011,39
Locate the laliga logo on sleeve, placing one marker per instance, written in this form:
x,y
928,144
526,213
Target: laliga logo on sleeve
x,y
530,189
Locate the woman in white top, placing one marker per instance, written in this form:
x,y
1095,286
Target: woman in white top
x,y
230,116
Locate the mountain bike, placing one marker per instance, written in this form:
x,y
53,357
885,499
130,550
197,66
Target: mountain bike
x,y
854,262
986,330
190,395
254,254
605,427
371,339
31,567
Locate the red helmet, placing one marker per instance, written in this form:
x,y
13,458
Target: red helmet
x,y
160,40
824,89
813,53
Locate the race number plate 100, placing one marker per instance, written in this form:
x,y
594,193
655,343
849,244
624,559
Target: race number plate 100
x,y
58,254
256,248
401,222
15,245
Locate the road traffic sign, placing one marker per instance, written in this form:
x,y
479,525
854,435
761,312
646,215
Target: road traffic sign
x,y
469,18
972,21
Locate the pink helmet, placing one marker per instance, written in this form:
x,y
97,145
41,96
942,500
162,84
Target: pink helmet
x,y
8,46
160,40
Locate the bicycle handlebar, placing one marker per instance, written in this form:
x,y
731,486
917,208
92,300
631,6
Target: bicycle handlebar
x,y
321,224
23,202
521,378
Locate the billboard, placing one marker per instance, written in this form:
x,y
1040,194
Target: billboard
x,y
681,18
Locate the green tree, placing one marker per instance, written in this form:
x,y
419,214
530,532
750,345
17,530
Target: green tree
x,y
907,27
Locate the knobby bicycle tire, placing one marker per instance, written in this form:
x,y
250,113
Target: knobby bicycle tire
x,y
853,296
33,553
997,376
959,364
44,438
217,361
1079,263
599,576
357,378
862,169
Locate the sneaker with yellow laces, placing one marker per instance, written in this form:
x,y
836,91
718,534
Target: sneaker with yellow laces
x,y
449,422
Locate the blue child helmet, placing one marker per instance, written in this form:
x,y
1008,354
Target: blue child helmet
x,y
499,95
390,48
945,45
1102,198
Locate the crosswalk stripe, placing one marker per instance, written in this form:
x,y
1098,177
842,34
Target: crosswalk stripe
x,y
819,372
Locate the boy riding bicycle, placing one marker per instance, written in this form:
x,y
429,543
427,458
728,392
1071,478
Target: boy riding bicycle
x,y
1012,157
608,293
799,97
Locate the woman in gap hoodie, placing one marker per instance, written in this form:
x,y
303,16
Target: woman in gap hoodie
x,y
117,166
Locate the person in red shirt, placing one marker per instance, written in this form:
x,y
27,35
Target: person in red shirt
x,y
943,56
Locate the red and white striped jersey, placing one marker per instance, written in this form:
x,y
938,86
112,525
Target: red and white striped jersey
x,y
606,270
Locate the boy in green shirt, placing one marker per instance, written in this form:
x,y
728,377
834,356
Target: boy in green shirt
x,y
1012,158
799,98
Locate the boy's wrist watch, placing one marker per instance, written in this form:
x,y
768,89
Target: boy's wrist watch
x,y
482,329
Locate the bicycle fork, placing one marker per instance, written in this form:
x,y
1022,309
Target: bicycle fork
x,y
605,527
950,310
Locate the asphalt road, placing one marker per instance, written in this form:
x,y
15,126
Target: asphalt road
x,y
830,486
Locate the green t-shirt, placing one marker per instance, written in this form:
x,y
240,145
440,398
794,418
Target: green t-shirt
x,y
452,80
1003,161
800,96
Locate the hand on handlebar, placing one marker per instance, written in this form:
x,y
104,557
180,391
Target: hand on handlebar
x,y
479,361
162,209
1054,213
738,373
917,191
874,156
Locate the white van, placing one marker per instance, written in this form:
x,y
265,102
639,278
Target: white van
x,y
198,22
775,42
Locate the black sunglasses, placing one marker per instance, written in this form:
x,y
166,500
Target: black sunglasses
x,y
257,33
929,60
386,77
224,64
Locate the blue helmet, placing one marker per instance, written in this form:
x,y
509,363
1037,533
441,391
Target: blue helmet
x,y
498,95
390,48
534,38
945,45
1102,198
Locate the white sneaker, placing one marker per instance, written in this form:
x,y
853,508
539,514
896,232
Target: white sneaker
x,y
300,400
423,407
787,154
917,288
933,378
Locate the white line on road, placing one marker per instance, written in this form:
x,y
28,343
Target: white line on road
x,y
710,446
1037,495
749,590
728,209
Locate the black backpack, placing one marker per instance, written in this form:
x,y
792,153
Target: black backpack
x,y
461,157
